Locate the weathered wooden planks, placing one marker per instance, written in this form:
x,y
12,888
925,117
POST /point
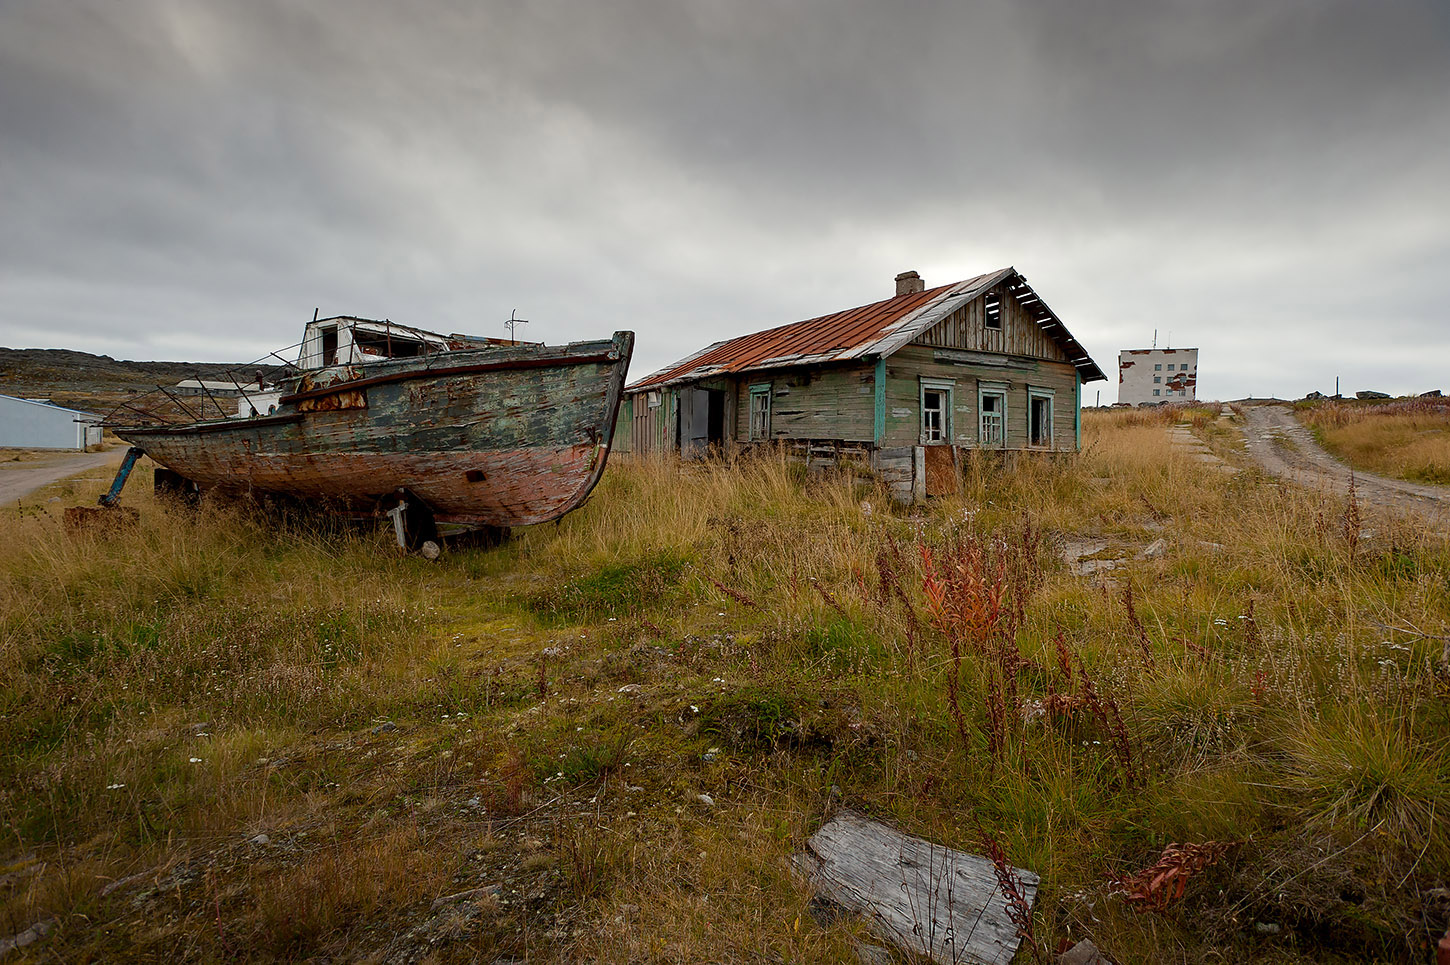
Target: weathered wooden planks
x,y
928,899
1019,333
498,436
906,368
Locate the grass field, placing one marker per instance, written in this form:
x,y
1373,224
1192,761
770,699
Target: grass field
x,y
235,736
1408,439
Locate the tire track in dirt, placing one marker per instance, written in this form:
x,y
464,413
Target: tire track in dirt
x,y
1281,446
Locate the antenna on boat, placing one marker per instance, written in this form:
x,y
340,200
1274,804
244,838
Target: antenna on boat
x,y
511,322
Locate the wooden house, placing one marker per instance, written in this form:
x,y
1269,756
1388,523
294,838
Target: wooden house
x,y
903,385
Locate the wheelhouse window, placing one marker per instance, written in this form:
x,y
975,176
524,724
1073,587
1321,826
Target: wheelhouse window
x,y
759,412
387,345
992,415
1039,418
936,410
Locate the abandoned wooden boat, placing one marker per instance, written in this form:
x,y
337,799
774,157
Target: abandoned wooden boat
x,y
379,418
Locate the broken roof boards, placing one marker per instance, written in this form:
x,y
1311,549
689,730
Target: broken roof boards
x,y
928,899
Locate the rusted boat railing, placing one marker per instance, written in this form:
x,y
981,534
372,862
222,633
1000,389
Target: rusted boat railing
x,y
166,406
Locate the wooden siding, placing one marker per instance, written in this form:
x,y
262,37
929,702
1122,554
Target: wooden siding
x,y
653,428
499,436
904,372
966,329
819,403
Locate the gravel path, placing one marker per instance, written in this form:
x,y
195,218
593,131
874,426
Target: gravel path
x,y
1278,443
18,480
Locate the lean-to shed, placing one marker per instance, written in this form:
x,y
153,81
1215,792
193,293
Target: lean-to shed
x,y
903,385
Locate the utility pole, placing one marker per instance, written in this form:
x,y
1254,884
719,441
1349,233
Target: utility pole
x,y
511,324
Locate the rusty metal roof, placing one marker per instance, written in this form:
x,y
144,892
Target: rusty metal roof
x,y
869,331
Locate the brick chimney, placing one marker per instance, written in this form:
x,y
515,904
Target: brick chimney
x,y
909,283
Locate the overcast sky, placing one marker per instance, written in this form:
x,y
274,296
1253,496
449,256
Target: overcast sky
x,y
1267,181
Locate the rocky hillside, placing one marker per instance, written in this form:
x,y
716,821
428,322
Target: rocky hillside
x,y
97,383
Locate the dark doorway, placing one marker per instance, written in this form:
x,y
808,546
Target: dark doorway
x,y
702,421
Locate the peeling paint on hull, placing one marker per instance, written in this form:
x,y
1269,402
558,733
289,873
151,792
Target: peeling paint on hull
x,y
491,437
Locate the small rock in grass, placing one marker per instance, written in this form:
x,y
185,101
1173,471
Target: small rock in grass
x,y
1266,927
706,800
630,689
1083,953
384,727
1155,549
30,936
872,954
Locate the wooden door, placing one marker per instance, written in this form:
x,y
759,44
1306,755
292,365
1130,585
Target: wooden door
x,y
941,470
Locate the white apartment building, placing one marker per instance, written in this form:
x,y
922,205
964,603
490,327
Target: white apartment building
x,y
1149,375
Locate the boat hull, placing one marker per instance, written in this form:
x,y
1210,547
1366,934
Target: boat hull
x,y
493,437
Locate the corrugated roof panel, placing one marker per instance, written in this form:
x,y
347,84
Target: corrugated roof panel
x,y
878,328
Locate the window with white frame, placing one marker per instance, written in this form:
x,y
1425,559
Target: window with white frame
x,y
992,414
1039,417
936,410
760,412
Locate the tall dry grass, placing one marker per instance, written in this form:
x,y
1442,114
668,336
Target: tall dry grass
x,y
1407,439
765,637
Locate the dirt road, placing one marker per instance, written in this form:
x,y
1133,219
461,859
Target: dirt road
x,y
1282,446
35,470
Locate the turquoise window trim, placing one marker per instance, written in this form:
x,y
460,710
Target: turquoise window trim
x,y
1001,390
880,419
1077,407
1049,396
760,390
949,388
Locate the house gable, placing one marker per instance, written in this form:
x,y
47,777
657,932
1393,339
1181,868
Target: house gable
x,y
994,322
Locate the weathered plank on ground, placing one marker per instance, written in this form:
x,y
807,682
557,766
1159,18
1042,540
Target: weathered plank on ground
x,y
927,898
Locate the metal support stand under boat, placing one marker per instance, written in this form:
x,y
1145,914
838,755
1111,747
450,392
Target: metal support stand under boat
x,y
396,515
112,496
413,525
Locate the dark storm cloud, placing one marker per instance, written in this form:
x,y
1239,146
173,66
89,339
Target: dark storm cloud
x,y
1262,180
